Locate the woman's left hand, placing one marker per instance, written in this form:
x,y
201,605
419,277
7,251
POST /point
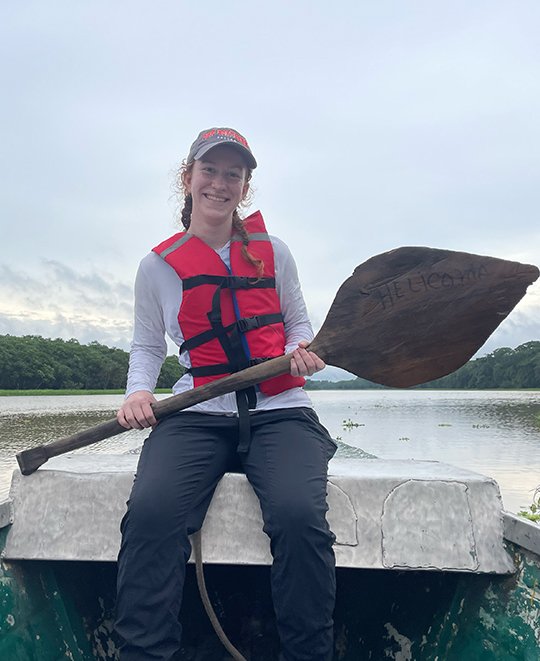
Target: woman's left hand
x,y
305,363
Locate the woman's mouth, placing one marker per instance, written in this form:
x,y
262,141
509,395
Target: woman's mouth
x,y
214,198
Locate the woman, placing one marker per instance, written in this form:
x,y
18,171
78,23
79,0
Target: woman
x,y
228,295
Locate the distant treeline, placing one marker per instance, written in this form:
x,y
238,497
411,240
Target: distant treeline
x,y
32,362
503,368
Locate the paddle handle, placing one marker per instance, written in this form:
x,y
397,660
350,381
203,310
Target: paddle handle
x,y
31,460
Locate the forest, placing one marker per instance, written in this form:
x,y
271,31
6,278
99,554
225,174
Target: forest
x,y
33,362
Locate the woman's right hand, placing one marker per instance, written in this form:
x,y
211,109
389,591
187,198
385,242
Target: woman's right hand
x,y
136,412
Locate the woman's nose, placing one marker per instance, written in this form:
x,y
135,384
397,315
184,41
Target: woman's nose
x,y
218,181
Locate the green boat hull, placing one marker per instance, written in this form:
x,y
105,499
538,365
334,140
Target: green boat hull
x,y
65,610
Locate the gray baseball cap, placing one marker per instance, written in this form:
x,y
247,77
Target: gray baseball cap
x,y
210,138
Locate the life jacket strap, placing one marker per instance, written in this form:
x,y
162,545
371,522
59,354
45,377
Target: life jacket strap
x,y
229,282
245,400
244,325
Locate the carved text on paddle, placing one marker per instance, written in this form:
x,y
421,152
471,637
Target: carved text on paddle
x,y
388,294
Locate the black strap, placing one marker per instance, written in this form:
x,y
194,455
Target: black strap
x,y
247,324
210,370
245,400
229,282
244,325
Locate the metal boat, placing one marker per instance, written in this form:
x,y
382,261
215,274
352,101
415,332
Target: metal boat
x,y
429,565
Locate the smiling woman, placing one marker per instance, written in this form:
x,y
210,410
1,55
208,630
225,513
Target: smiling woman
x,y
228,295
222,178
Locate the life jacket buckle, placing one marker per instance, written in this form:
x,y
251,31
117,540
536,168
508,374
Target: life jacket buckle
x,y
248,323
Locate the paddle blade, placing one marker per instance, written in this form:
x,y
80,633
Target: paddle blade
x,y
415,314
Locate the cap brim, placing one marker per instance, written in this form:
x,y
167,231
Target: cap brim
x,y
246,154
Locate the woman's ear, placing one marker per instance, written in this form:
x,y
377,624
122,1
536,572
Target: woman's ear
x,y
186,180
245,190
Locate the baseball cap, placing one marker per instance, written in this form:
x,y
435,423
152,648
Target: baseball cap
x,y
210,138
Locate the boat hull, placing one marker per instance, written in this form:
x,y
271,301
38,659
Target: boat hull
x,y
57,610
429,567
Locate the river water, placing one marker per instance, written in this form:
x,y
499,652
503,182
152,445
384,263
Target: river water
x,y
496,433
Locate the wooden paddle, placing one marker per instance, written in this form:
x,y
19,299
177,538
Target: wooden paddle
x,y
404,317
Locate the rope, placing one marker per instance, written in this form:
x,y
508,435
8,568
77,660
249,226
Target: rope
x,y
197,547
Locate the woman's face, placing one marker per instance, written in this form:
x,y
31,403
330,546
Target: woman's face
x,y
217,184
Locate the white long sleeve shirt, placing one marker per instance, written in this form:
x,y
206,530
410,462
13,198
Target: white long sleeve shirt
x,y
158,296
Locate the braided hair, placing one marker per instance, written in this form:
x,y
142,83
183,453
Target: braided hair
x,y
179,189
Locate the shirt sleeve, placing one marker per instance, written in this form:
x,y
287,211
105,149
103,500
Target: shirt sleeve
x,y
149,347
295,315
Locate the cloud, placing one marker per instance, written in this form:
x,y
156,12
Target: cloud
x,y
58,301
376,125
518,328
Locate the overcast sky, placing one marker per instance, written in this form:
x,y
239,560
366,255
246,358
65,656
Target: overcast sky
x,y
376,125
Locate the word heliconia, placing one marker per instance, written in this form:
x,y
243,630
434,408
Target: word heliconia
x,y
420,283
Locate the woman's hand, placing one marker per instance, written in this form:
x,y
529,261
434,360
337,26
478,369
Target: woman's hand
x,y
305,363
136,412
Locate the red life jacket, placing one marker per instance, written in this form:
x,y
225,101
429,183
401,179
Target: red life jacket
x,y
229,320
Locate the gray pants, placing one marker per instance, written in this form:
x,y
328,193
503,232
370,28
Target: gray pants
x,y
180,465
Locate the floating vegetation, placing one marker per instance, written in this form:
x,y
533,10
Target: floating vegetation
x,y
445,424
532,512
480,426
404,438
349,424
